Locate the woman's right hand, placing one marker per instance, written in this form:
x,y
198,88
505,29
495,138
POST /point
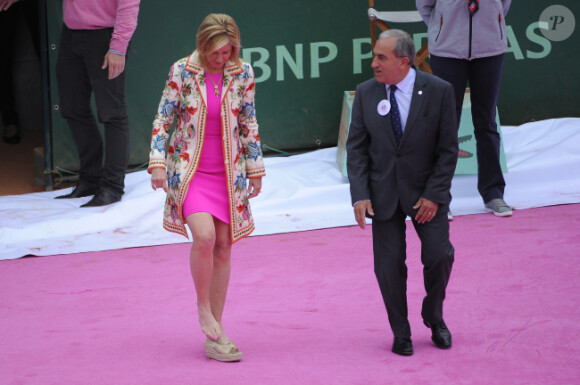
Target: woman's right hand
x,y
159,179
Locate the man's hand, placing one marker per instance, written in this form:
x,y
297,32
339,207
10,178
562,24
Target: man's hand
x,y
115,62
5,4
427,210
361,208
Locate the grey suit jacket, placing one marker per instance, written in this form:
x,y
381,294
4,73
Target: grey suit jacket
x,y
421,166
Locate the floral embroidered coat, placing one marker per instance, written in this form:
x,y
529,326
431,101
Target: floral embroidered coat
x,y
184,96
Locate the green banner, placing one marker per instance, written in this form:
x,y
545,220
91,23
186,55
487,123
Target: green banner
x,y
306,54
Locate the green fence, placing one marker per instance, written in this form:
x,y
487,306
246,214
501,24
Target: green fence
x,y
307,53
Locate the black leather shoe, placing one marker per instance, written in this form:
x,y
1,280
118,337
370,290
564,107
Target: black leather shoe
x,y
441,336
103,197
402,346
81,190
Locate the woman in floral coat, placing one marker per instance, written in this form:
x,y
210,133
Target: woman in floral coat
x,y
215,147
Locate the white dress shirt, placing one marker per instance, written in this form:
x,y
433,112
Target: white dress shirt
x,y
404,94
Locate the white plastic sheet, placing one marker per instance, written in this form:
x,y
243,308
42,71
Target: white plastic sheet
x,y
300,192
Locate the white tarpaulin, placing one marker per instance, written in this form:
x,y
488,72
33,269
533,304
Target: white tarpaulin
x,y
300,192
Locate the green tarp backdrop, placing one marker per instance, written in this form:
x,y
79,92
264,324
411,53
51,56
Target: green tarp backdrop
x,y
306,54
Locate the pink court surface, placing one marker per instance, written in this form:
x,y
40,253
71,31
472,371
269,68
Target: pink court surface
x,y
304,308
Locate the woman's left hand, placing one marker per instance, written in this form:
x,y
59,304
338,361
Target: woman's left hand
x,y
254,187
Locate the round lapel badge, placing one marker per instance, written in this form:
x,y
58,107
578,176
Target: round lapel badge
x,y
384,107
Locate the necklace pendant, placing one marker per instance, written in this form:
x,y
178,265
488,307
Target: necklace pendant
x,y
216,91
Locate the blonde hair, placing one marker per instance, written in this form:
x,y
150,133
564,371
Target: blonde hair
x,y
216,30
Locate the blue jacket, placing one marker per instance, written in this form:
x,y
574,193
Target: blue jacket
x,y
454,33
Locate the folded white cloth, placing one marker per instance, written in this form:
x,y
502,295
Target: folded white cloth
x,y
300,192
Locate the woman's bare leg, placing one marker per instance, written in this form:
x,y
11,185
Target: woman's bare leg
x,y
202,270
221,271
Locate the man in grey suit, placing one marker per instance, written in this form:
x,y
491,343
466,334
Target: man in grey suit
x,y
402,153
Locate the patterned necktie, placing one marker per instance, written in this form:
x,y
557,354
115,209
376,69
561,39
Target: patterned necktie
x,y
473,6
395,116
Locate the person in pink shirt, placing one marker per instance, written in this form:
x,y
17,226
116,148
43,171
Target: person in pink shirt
x,y
210,165
91,61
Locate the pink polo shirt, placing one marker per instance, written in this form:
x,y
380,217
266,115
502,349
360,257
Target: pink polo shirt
x,y
100,14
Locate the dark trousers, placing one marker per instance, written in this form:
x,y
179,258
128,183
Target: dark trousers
x,y
9,23
484,77
437,255
8,20
79,74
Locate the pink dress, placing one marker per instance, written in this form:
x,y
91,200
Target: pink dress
x,y
207,190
